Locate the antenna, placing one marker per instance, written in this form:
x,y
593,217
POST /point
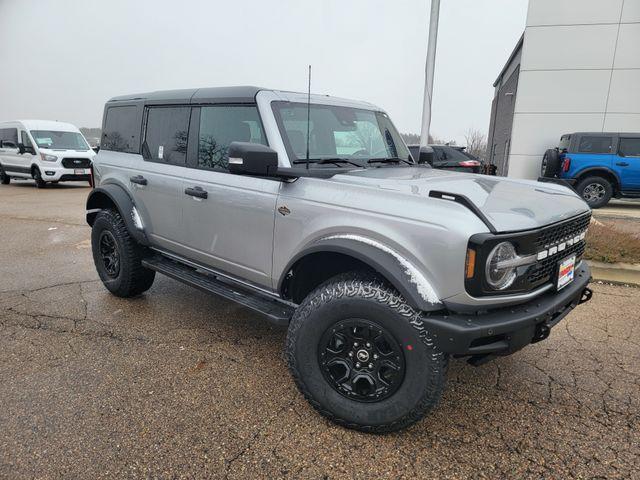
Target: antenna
x,y
308,114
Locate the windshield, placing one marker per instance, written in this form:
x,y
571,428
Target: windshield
x,y
339,133
57,140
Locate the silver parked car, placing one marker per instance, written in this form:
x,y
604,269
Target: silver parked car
x,y
312,212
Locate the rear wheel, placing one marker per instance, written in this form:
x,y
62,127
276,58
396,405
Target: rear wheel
x,y
4,178
361,355
596,191
37,176
118,257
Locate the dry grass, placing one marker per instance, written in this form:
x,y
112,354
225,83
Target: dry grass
x,y
606,244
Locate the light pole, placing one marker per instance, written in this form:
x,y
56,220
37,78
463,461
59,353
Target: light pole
x,y
429,69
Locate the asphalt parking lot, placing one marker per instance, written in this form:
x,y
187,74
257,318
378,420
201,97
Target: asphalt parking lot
x,y
178,384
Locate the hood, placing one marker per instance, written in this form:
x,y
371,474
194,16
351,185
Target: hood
x,y
509,204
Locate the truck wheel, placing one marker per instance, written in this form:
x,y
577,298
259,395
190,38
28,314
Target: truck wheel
x,y
4,178
362,357
550,163
596,191
37,176
118,257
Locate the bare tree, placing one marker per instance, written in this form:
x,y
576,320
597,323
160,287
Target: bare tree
x,y
476,142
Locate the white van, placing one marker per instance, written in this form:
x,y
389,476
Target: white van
x,y
44,150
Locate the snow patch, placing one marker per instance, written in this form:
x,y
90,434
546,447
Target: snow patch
x,y
416,277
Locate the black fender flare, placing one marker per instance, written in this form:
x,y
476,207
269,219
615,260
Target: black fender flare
x,y
595,170
384,260
113,194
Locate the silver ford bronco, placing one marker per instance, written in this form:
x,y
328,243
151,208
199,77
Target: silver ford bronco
x,y
311,211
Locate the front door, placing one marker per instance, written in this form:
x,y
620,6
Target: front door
x,y
228,219
627,163
28,158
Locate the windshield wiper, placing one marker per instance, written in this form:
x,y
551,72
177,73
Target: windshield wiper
x,y
389,160
324,161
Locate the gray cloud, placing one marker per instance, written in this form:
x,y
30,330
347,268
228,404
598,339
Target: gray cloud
x,y
62,59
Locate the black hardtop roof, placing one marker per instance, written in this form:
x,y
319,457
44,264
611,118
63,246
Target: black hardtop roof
x,y
596,134
241,94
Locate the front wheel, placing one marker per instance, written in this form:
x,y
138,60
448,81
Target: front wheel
x,y
37,176
361,355
4,178
118,257
596,191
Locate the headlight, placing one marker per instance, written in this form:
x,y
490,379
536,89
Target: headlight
x,y
501,266
48,158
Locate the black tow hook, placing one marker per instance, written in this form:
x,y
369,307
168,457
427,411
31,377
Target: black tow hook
x,y
587,293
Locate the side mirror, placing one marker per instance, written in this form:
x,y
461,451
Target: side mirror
x,y
252,159
96,148
426,155
21,148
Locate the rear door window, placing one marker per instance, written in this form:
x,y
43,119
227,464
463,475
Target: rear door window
x,y
9,137
630,147
595,144
166,134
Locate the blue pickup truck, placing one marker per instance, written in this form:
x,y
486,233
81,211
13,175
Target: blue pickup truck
x,y
597,165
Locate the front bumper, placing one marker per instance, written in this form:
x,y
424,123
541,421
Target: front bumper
x,y
56,173
505,330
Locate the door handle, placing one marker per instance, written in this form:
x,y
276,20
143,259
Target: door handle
x,y
622,164
139,180
197,192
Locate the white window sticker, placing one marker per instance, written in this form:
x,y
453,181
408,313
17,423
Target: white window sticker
x,y
44,140
160,151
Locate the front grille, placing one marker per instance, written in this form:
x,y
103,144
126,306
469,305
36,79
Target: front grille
x,y
557,233
76,162
545,269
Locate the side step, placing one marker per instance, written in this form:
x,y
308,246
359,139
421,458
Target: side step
x,y
276,311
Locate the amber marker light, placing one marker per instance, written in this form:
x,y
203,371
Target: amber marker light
x,y
470,263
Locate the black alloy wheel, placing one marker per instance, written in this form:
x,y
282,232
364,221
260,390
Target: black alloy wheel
x,y
361,360
109,254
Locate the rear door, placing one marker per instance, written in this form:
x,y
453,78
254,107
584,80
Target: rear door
x,y
593,151
228,219
155,182
9,157
627,162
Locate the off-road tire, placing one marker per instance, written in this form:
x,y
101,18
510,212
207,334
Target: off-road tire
x,y
602,184
365,296
4,178
132,278
37,176
550,166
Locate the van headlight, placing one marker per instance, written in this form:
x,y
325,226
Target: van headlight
x,y
48,158
500,271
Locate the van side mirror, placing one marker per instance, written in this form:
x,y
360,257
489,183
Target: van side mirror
x,y
252,159
21,148
426,155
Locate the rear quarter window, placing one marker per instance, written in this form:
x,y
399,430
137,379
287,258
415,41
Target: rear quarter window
x,y
121,132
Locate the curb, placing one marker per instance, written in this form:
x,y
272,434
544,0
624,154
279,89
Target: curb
x,y
615,272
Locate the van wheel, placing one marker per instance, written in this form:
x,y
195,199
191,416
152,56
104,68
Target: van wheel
x,y
37,176
4,178
361,356
118,257
596,191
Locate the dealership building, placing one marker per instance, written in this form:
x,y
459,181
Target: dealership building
x,y
576,68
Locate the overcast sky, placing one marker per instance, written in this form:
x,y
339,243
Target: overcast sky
x,y
62,59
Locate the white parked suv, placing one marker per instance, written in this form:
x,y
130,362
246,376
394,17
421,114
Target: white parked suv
x,y
44,150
